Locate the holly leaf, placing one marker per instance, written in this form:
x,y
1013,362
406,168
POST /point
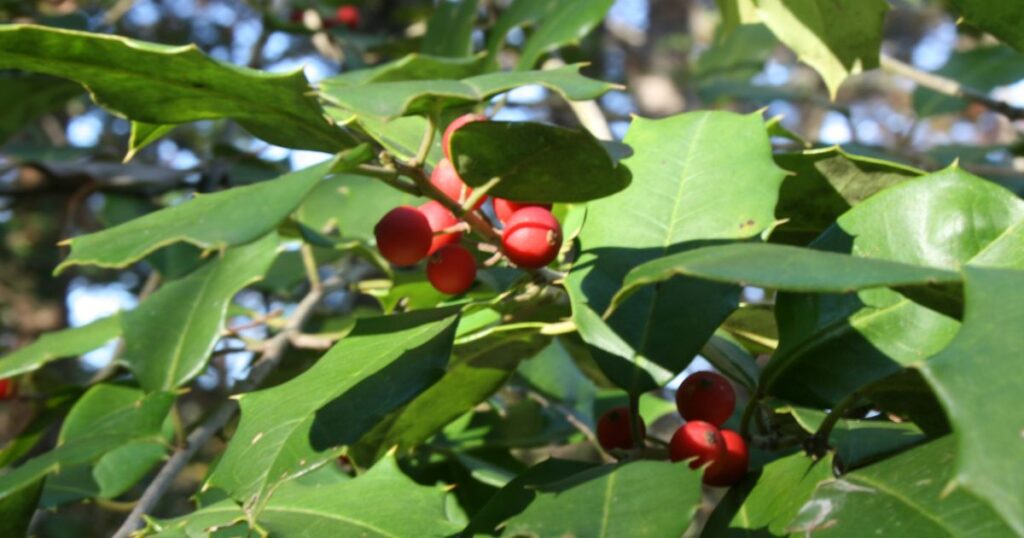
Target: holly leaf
x,y
836,38
410,67
970,379
169,337
982,69
557,23
160,84
450,29
997,18
208,221
289,429
907,496
35,95
61,345
697,177
534,162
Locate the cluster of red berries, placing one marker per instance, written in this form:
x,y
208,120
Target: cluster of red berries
x,y
405,235
345,15
705,400
7,389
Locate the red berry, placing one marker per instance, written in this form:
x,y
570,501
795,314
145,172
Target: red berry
x,y
446,138
532,237
706,396
447,180
452,269
440,218
296,15
404,236
7,389
505,208
615,429
348,15
733,464
696,439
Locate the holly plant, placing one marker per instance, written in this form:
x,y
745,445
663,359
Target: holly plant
x,y
471,316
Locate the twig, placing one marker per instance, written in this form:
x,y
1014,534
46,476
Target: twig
x,y
949,86
275,349
574,420
427,142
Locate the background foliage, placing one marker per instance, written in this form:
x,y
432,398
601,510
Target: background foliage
x,y
818,198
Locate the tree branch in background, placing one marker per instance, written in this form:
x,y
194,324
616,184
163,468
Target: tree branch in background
x,y
949,87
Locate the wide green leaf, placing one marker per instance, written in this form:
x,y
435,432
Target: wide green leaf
x,y
410,67
766,501
830,345
450,29
857,442
383,503
825,184
784,268
93,428
209,221
1000,19
59,345
289,429
168,338
351,203
417,97
476,371
535,162
697,177
972,379
901,496
160,84
642,498
838,38
981,69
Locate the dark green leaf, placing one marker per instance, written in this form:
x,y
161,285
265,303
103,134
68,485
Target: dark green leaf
x,y
981,69
450,29
536,162
696,177
563,23
1000,19
286,430
410,67
857,442
35,96
209,221
144,134
160,84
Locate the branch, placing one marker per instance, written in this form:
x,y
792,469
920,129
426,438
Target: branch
x,y
274,351
949,87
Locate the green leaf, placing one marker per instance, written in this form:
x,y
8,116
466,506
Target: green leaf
x,y
286,430
1000,19
60,345
981,69
169,337
144,134
696,177
477,370
35,96
982,401
450,29
766,501
782,267
857,442
536,162
563,23
160,84
417,97
410,67
825,184
93,428
736,13
209,221
830,345
729,358
120,469
557,22
384,502
402,136
352,203
18,508
735,57
904,496
642,498
838,38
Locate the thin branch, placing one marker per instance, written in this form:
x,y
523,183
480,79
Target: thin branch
x,y
575,421
271,357
949,87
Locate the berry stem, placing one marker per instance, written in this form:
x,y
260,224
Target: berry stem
x,y
479,194
818,443
427,141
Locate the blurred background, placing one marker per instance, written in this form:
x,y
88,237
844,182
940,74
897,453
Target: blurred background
x,y
61,169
